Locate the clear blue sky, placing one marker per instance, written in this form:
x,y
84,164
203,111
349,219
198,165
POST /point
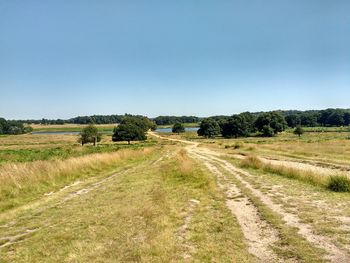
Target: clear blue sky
x,y
60,59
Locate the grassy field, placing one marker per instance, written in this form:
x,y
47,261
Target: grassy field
x,y
149,204
178,198
70,127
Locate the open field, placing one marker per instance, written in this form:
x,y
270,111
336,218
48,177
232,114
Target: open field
x,y
69,127
174,198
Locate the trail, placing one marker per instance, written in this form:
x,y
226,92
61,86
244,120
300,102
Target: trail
x,y
254,229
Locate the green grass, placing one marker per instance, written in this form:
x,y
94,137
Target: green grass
x,y
137,217
339,183
62,152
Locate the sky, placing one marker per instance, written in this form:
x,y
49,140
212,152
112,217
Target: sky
x,y
61,59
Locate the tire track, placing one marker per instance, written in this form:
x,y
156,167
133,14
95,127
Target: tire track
x,y
335,254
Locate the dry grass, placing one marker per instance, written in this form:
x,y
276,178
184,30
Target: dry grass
x,y
17,179
305,175
290,172
142,215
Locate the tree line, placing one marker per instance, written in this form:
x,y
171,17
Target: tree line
x,y
244,124
13,127
310,118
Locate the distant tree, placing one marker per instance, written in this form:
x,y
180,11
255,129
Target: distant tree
x,y
236,126
89,134
178,127
128,132
274,120
309,119
209,128
293,120
347,118
298,131
249,119
142,122
267,131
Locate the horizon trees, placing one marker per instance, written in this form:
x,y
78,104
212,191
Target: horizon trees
x,y
274,120
13,127
209,128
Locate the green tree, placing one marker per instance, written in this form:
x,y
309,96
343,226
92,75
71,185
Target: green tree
x,y
298,131
209,128
128,132
236,126
275,120
267,131
142,122
89,134
178,127
293,120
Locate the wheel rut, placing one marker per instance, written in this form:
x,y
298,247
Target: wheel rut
x,y
334,254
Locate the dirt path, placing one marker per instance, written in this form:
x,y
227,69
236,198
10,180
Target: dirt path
x,y
259,234
253,228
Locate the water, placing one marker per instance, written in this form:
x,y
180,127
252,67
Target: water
x,y
169,129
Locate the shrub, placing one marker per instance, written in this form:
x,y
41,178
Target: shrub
x,y
178,127
339,183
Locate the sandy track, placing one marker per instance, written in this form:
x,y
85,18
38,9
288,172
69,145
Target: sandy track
x,y
211,159
334,254
259,235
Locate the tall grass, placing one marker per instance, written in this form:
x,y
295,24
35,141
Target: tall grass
x,y
28,179
338,183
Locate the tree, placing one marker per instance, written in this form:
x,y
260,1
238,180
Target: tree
x,y
293,120
274,120
178,127
236,126
142,122
298,131
209,128
267,131
128,132
89,134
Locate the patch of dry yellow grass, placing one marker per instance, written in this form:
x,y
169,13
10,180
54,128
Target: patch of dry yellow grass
x,y
305,175
37,176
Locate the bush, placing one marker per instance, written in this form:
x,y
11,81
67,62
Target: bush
x,y
267,131
339,183
178,127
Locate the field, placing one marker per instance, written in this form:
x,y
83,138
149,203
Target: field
x,y
175,198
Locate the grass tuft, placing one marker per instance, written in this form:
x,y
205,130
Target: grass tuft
x,y
339,183
307,176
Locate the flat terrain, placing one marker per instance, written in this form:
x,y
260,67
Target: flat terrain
x,y
174,198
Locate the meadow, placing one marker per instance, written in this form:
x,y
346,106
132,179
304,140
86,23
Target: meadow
x,y
174,198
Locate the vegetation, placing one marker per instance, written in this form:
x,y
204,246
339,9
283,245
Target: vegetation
x,y
13,127
339,183
270,123
132,129
169,120
178,128
90,134
209,128
236,126
22,182
298,131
